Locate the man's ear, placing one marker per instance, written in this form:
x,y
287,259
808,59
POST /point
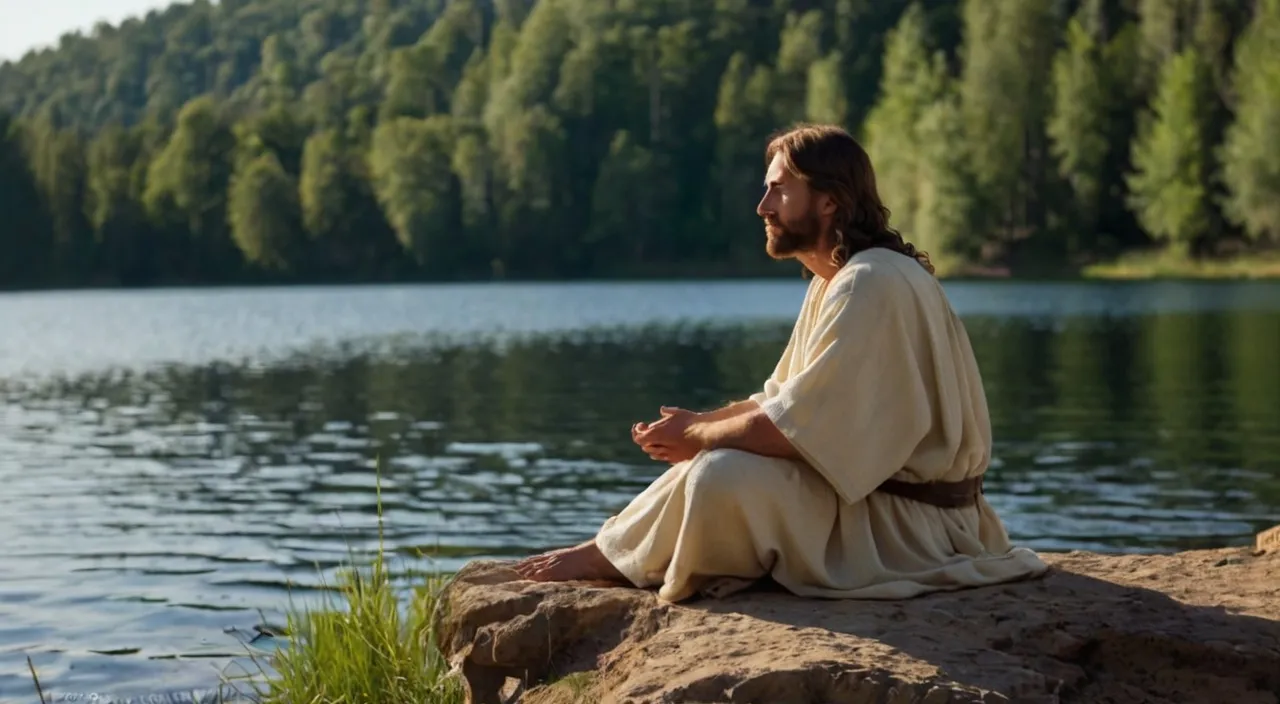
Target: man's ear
x,y
826,204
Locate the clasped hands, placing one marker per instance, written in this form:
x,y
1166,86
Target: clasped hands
x,y
672,438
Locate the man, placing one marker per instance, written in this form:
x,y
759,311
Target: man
x,y
856,471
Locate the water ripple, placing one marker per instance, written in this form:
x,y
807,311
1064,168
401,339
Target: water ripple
x,y
159,504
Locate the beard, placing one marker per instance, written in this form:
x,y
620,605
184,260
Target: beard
x,y
787,239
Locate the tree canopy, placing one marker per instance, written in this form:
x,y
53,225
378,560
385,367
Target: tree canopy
x,y
363,140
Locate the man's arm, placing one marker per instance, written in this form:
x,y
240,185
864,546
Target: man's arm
x,y
749,429
730,411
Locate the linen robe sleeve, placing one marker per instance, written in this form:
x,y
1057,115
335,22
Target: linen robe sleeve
x,y
859,407
780,370
774,383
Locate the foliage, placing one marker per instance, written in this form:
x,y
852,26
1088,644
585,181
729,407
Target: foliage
x,y
1089,126
367,140
364,649
915,139
1251,152
1169,186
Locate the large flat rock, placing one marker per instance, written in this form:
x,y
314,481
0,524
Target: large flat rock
x,y
1199,626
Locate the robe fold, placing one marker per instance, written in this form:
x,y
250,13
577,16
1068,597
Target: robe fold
x,y
877,381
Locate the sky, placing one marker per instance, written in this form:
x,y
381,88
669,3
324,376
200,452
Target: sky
x,y
28,24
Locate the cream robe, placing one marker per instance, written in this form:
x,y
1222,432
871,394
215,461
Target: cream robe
x,y
878,380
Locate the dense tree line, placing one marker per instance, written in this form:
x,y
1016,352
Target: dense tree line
x,y
451,139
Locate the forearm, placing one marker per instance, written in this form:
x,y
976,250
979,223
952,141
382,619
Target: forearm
x,y
732,410
749,429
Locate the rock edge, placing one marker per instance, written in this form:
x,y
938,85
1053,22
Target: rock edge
x,y
1197,626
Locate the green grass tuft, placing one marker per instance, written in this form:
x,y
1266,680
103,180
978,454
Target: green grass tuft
x,y
365,652
360,648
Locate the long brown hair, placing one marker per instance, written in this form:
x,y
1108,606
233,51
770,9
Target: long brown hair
x,y
831,161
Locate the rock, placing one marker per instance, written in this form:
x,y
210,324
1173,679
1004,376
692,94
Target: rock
x,y
1268,540
1197,626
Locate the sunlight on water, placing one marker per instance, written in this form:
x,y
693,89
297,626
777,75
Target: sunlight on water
x,y
72,332
174,462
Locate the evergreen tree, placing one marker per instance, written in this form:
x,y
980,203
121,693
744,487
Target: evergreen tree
x,y
912,140
826,100
743,119
1169,186
799,47
1251,153
1090,123
945,210
1004,92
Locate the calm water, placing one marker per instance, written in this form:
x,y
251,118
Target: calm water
x,y
174,462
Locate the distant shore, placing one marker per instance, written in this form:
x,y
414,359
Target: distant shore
x,y
1166,266
1138,266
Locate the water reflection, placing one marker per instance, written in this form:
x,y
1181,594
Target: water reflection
x,y
1160,432
150,513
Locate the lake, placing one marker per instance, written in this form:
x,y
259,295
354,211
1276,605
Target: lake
x,y
177,464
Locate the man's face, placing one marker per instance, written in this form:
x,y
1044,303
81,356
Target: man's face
x,y
791,217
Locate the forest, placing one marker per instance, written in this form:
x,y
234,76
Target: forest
x,y
280,141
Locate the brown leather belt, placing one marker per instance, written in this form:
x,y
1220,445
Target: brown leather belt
x,y
941,494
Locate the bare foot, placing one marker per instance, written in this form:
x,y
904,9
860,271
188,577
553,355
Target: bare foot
x,y
582,562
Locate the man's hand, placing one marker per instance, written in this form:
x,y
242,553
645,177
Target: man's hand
x,y
672,438
680,435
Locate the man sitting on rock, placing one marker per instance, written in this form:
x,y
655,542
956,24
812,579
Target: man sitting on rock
x,y
856,472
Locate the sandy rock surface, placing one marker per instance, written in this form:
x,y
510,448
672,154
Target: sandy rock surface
x,y
1198,626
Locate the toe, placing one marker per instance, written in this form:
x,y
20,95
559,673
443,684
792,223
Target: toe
x,y
536,574
531,567
546,570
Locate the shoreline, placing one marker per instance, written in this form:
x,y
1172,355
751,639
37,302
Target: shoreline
x,y
1098,626
1144,266
1134,267
1098,274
